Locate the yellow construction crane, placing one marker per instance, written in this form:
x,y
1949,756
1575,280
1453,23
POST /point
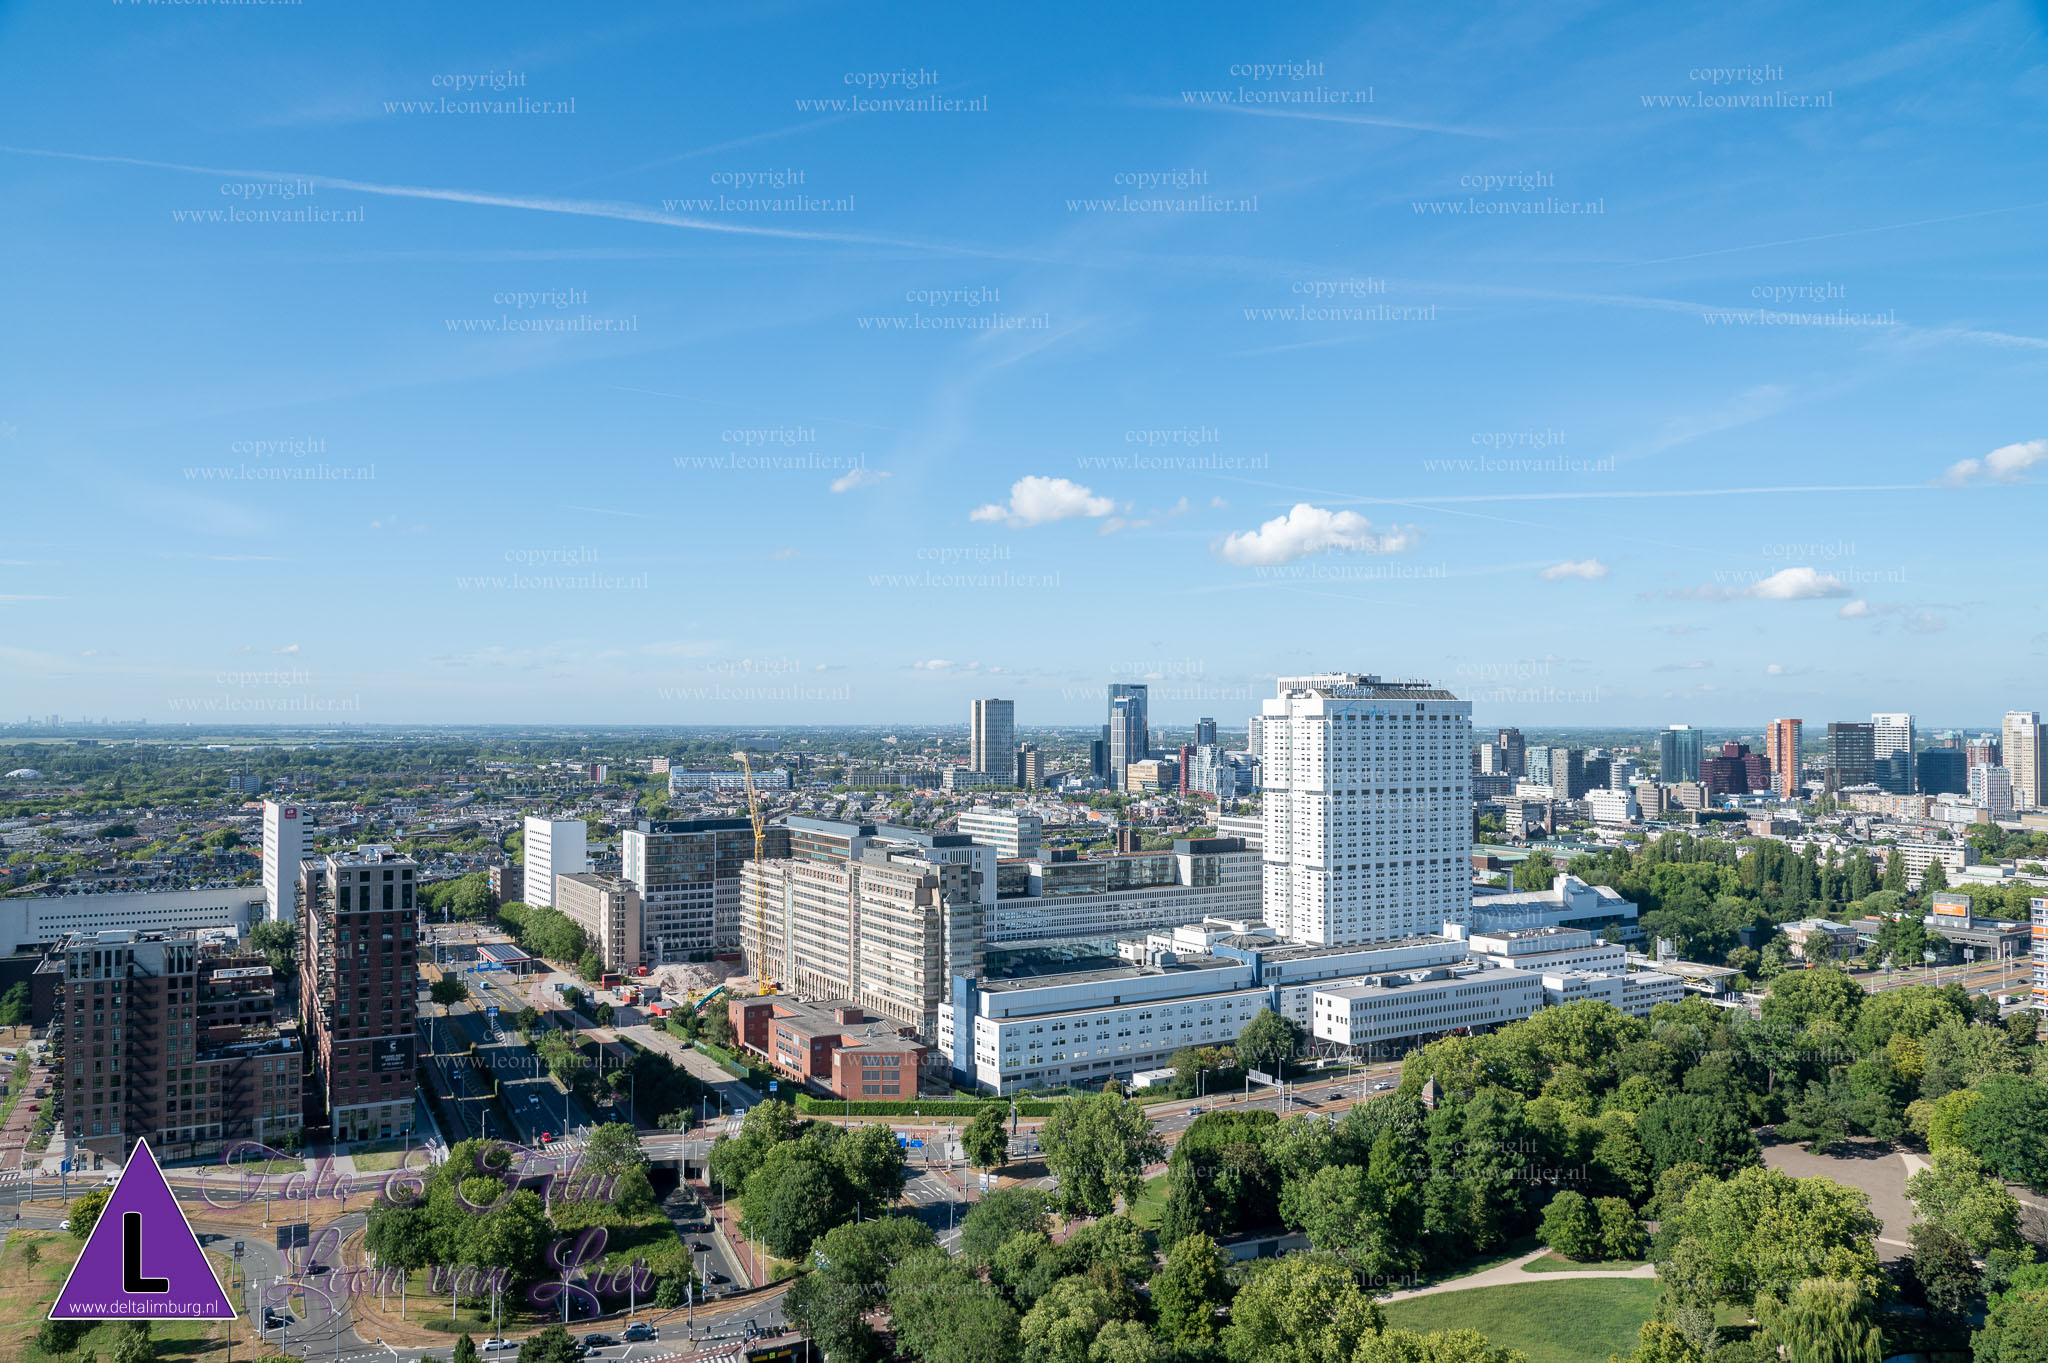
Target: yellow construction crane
x,y
761,985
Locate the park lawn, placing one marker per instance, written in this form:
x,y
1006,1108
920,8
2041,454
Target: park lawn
x,y
1569,1320
380,1162
27,1294
1554,1262
1149,1210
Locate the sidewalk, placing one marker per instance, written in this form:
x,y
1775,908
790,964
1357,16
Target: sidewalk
x,y
1500,1275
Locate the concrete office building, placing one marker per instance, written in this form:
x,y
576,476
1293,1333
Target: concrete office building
x,y
554,847
688,874
833,1047
28,921
992,739
1065,900
1889,734
1568,903
1396,1007
1012,832
1367,808
886,929
1514,752
169,1037
1781,748
1679,750
358,971
1614,806
609,913
284,847
1030,767
2020,742
1129,731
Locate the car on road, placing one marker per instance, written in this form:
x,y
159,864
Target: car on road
x,y
639,1330
700,1246
491,1346
714,1277
599,1342
1382,1086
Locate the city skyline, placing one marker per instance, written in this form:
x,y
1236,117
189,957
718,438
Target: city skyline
x,y
732,400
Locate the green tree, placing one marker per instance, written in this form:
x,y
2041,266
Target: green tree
x,y
2016,1322
85,1211
1189,1289
986,1140
1535,872
1687,1128
2007,1128
1763,1227
1304,1308
1943,1272
1097,1148
791,1202
1895,871
871,1164
1956,1193
465,1350
31,1255
1269,1041
132,1343
590,965
1571,1227
14,1005
448,991
279,943
552,1345
1060,1327
1369,1222
851,1264
604,1015
997,1217
943,1313
1823,1321
1621,1232
1125,1341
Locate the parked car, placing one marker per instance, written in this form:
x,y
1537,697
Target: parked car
x,y
700,1246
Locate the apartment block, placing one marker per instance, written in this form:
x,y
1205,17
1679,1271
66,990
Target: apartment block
x,y
1781,748
609,912
170,1037
284,847
2020,742
554,847
1367,807
358,972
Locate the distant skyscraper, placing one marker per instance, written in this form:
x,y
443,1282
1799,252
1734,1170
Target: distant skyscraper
x,y
1781,746
1851,755
1130,735
1991,789
1568,773
1536,764
1205,732
992,742
1679,750
1982,751
1940,771
2021,744
1030,767
284,847
1367,813
1514,753
1892,733
1098,758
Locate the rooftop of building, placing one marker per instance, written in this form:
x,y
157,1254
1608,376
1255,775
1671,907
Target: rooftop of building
x,y
1531,934
842,1018
1184,963
1362,686
1403,982
693,825
1279,950
369,854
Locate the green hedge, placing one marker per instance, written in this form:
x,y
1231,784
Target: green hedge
x,y
905,1107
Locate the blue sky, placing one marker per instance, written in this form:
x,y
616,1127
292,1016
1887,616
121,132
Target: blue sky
x,y
1612,365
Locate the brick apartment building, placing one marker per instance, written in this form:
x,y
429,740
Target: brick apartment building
x,y
358,977
834,1048
174,1037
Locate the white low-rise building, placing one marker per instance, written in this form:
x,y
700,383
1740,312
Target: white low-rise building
x,y
1614,806
1546,949
1431,1002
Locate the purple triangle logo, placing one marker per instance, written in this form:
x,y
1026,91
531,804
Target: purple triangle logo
x,y
142,1261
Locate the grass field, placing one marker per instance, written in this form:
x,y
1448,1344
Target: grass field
x,y
1568,1321
1150,1207
26,1294
1554,1262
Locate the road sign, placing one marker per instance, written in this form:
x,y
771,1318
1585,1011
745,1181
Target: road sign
x,y
65,1166
141,1261
491,1010
772,1084
294,1235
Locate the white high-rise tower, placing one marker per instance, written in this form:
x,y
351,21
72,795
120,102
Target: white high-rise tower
x,y
1367,809
554,847
284,847
2022,750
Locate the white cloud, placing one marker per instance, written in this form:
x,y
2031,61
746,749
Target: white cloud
x,y
288,648
1038,500
1309,530
1585,569
2003,465
1780,670
1802,583
1855,610
859,478
783,555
